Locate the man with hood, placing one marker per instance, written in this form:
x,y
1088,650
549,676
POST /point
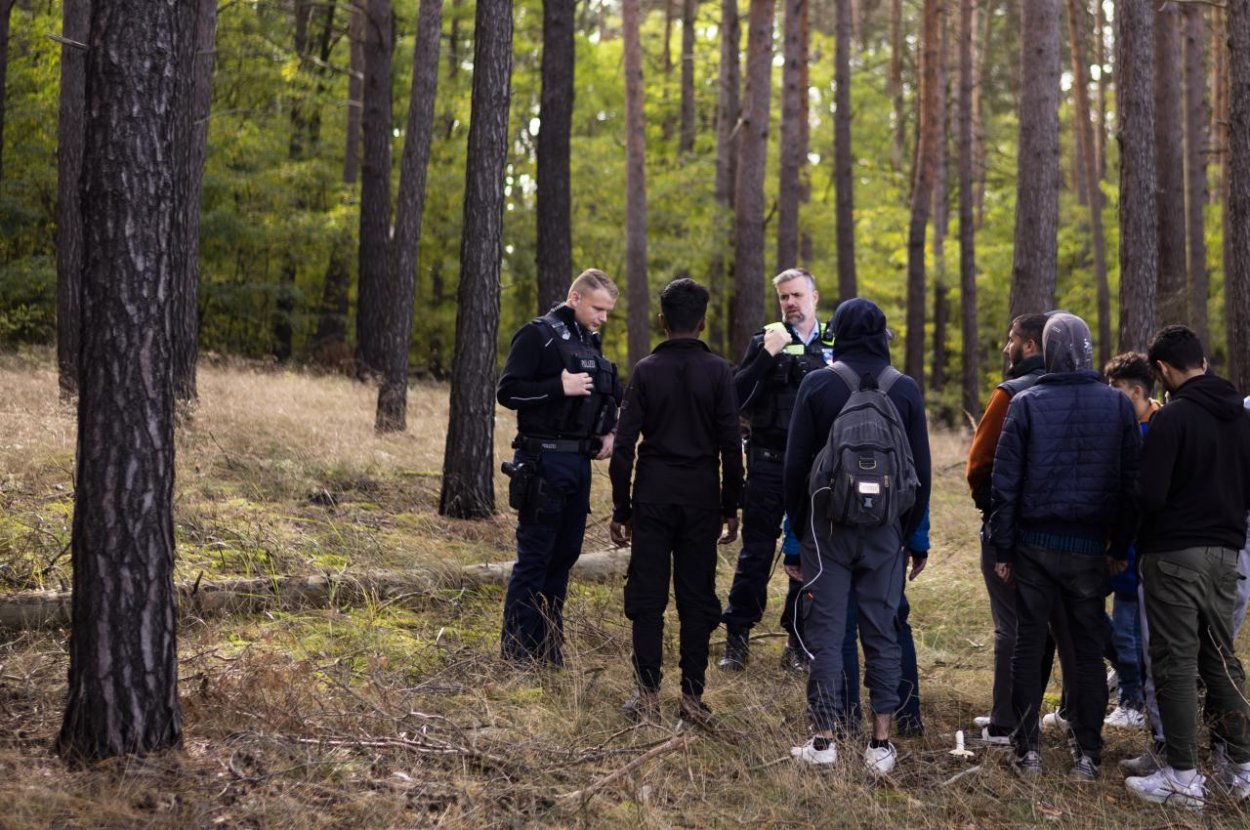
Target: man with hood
x,y
1194,494
869,561
1061,490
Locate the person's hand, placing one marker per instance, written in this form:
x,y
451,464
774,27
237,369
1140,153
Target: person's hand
x,y
917,564
730,533
576,385
794,572
1115,567
620,533
775,340
1004,572
606,442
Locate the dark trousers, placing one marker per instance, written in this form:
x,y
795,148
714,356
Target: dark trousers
x,y
547,546
1189,598
762,512
838,563
1047,581
681,541
907,716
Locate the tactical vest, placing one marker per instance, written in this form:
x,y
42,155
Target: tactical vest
x,y
770,411
1015,386
581,416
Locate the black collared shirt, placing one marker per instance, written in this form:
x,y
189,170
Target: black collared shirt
x,y
681,400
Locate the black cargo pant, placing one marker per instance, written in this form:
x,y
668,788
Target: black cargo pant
x,y
681,541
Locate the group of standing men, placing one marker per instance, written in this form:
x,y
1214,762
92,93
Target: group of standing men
x,y
692,412
1070,495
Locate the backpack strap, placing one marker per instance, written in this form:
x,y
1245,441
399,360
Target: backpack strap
x,y
847,374
889,375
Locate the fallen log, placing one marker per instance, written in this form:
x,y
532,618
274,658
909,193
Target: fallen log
x,y
43,609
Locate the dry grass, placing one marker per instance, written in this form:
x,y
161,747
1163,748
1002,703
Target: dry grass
x,y
400,715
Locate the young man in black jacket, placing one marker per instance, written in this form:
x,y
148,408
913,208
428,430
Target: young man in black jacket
x,y
1194,494
681,399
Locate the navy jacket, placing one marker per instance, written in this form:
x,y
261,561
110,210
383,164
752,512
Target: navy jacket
x,y
1065,467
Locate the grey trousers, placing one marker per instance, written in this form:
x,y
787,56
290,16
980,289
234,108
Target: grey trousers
x,y
1003,612
837,561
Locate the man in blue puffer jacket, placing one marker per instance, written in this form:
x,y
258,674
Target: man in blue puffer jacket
x,y
1063,476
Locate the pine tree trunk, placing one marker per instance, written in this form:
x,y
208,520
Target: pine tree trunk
x,y
469,460
967,208
1219,96
1237,226
375,191
355,91
790,149
555,244
186,309
1035,258
729,85
941,219
75,18
331,348
6,14
843,155
1171,297
1100,55
1089,163
685,141
392,414
638,295
1196,145
805,133
670,14
748,308
896,85
1135,116
980,48
922,188
123,673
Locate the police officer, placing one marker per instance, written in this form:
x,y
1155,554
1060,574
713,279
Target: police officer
x,y
566,396
767,383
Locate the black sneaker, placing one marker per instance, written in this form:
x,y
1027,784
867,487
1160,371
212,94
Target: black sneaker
x,y
693,710
1029,765
643,707
1084,769
909,728
794,659
736,652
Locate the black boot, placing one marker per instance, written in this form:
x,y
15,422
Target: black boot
x,y
794,657
736,649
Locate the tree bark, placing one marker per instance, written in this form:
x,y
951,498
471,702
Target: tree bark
x,y
685,140
748,308
941,218
331,348
6,14
469,460
805,132
1089,163
355,91
75,19
375,192
967,209
392,414
980,48
638,296
670,14
790,150
896,85
123,673
729,84
1100,55
1135,115
1219,95
922,188
1035,258
1195,37
1172,300
1237,226
843,155
554,242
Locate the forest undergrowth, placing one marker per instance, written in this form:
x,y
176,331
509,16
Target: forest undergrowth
x,y
398,712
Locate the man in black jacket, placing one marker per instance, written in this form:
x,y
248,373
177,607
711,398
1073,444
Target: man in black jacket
x,y
681,399
1194,494
566,395
1061,488
767,382
836,561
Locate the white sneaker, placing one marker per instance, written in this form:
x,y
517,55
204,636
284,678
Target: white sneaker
x,y
808,753
1163,788
1125,718
1054,720
994,740
880,760
981,721
1113,681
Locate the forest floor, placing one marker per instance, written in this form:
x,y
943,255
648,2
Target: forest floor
x,y
400,714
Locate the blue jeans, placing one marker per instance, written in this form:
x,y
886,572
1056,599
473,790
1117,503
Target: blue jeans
x,y
1126,638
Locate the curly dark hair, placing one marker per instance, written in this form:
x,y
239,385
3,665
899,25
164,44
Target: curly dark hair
x,y
1131,367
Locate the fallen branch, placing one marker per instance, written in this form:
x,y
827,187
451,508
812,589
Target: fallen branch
x,y
39,609
672,745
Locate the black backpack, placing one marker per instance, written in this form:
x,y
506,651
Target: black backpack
x,y
865,474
